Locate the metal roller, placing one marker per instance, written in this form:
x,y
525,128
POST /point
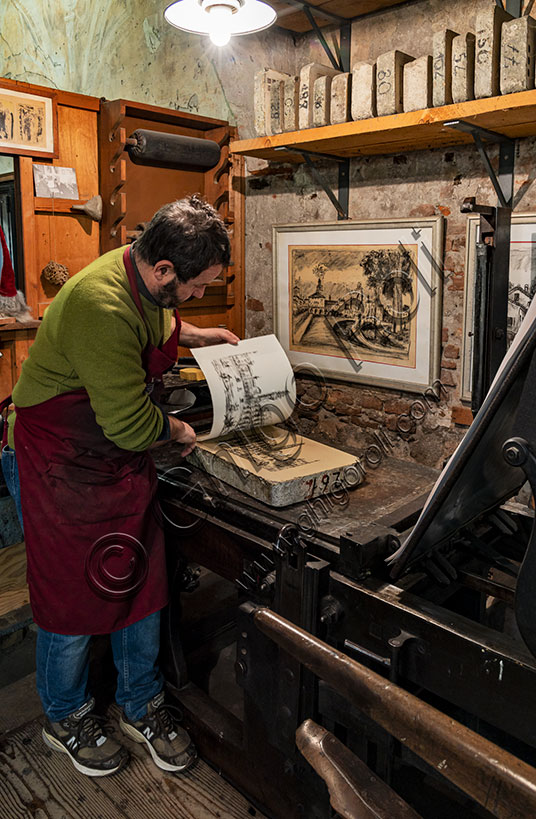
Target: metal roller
x,y
182,153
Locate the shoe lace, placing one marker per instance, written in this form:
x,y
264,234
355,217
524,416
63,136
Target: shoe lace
x,y
91,727
168,716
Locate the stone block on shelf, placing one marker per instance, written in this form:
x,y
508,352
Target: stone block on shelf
x,y
290,104
308,76
340,98
517,55
442,66
488,49
463,67
321,101
363,91
262,97
417,86
390,82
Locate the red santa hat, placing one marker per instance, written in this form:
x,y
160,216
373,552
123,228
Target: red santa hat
x,y
12,301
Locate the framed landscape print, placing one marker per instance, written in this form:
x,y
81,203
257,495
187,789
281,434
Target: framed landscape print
x,y
28,122
522,284
361,301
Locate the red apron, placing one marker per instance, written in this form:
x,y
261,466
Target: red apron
x,y
92,522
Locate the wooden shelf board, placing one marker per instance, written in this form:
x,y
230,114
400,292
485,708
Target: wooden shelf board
x,y
292,18
512,114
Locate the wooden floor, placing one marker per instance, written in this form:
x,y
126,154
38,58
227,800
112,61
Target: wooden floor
x,y
40,783
13,588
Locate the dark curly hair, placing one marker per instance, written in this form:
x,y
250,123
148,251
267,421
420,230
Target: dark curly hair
x,y
188,232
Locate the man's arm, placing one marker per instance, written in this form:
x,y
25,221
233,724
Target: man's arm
x,y
192,336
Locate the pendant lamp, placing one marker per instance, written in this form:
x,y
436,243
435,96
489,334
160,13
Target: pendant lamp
x,y
220,19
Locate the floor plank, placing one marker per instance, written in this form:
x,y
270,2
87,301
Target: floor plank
x,y
41,783
13,588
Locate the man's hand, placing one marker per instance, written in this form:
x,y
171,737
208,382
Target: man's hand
x,y
192,336
183,434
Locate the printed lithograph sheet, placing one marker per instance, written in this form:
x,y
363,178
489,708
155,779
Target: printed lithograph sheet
x,y
26,121
251,384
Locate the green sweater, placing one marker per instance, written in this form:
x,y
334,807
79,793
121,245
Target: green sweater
x,y
92,336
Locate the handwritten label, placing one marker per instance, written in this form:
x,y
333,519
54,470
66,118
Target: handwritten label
x,y
384,83
439,66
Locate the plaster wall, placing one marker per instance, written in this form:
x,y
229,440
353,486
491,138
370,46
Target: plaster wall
x,y
111,49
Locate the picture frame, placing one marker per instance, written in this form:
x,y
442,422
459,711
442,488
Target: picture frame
x,y
522,278
361,301
28,122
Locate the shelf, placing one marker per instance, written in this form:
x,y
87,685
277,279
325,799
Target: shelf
x,y
53,204
292,18
512,114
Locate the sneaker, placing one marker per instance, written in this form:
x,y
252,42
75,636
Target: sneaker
x,y
169,745
82,738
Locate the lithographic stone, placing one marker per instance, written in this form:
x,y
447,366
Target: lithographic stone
x,y
487,50
442,66
340,98
322,101
390,82
417,86
517,55
363,91
290,104
262,96
276,106
300,469
463,67
308,76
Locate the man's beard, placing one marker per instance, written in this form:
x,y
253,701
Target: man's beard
x,y
167,295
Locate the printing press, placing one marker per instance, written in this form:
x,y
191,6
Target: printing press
x,y
374,653
432,605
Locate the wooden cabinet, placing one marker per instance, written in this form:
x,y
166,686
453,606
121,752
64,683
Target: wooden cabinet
x,y
15,342
132,193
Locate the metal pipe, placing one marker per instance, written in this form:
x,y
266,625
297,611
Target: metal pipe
x,y
500,782
355,791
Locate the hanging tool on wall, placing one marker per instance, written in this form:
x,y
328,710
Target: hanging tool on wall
x,y
173,151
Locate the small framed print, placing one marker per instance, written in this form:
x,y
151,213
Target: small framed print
x,y
28,122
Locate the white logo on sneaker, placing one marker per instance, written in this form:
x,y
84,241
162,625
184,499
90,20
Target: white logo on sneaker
x,y
148,733
100,741
72,743
172,736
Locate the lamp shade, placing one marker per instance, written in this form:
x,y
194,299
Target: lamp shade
x,y
220,18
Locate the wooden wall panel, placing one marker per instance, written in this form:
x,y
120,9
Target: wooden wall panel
x,y
69,240
77,130
7,368
51,231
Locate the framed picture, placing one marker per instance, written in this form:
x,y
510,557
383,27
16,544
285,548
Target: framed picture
x,y
28,122
522,284
361,301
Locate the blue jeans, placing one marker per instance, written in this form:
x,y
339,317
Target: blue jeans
x,y
63,665
11,477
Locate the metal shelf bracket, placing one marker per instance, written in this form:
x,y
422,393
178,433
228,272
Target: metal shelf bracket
x,y
341,202
503,182
341,60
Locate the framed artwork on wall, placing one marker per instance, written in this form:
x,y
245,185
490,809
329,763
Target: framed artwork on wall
x,y
521,288
361,301
28,122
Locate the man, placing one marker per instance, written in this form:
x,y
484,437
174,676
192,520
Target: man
x,y
84,422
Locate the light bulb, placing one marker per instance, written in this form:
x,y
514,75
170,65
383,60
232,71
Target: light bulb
x,y
220,18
